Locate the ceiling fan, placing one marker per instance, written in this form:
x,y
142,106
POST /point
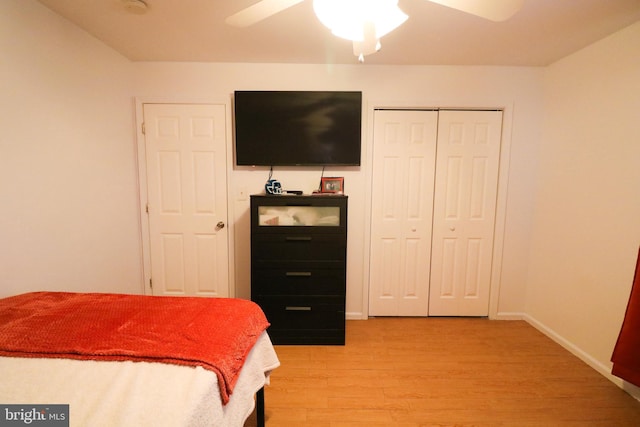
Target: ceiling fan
x,y
363,23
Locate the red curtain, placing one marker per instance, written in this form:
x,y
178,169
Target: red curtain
x,y
626,354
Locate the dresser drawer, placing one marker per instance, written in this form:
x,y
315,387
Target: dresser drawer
x,y
303,312
319,247
298,278
318,214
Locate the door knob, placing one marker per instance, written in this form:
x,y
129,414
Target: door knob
x,y
452,228
219,225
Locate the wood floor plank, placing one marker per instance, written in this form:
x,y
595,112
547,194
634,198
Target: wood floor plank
x,y
442,372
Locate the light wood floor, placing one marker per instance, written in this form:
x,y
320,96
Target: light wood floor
x,y
442,372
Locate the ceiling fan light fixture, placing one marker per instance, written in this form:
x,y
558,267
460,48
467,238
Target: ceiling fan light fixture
x,y
347,18
369,43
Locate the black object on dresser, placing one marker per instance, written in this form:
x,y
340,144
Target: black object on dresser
x,y
298,266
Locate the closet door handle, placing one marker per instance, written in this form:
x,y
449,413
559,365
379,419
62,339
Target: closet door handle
x,y
297,308
298,274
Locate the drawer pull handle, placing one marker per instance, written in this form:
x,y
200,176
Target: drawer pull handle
x,y
298,238
298,274
297,308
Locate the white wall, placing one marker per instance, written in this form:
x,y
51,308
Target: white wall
x,y
587,221
517,89
69,216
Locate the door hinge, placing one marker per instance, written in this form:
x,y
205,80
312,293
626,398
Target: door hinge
x,y
151,283
144,129
147,208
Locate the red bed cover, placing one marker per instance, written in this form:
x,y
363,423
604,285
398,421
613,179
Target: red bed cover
x,y
215,333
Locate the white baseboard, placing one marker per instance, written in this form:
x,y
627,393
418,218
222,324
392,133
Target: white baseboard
x,y
350,315
584,356
506,315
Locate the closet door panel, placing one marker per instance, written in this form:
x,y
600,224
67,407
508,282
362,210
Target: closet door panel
x,y
464,212
402,205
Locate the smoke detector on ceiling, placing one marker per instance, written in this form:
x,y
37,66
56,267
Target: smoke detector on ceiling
x,y
135,6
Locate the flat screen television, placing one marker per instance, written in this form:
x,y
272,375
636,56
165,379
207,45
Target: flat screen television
x,y
297,128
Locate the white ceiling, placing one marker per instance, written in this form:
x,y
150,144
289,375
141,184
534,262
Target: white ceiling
x,y
542,32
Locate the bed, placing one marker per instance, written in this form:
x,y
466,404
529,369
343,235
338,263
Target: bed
x,y
121,360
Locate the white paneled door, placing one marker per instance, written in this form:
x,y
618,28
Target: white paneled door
x,y
402,203
435,177
464,212
186,164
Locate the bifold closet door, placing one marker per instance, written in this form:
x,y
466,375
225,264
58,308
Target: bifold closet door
x,y
435,177
464,212
402,205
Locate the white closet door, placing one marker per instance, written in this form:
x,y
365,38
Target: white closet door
x,y
464,212
402,203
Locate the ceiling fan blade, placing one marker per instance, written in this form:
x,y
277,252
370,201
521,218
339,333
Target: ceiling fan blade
x,y
494,10
259,11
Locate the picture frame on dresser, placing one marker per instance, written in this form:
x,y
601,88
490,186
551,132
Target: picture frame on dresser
x,y
332,185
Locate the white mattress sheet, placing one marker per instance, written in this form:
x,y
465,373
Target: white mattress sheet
x,y
136,393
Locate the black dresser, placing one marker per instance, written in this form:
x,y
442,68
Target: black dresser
x,y
298,266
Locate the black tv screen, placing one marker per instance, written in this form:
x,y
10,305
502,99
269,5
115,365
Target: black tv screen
x,y
297,128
